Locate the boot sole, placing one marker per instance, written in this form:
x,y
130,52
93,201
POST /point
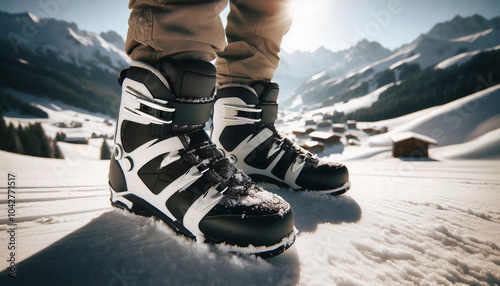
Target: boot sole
x,y
334,192
138,206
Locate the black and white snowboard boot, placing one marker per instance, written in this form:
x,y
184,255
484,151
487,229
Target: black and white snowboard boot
x,y
166,166
243,128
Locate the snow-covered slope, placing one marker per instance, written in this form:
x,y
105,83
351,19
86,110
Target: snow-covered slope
x,y
453,123
402,223
486,146
62,41
63,118
347,107
463,57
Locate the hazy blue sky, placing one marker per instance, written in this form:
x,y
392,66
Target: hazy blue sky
x,y
335,24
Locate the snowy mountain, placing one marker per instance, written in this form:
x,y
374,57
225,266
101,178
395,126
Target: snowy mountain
x,y
62,41
308,63
113,38
447,44
460,26
61,62
298,67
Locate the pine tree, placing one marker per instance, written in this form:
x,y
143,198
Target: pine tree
x,y
28,141
12,142
105,153
56,151
41,140
3,132
61,136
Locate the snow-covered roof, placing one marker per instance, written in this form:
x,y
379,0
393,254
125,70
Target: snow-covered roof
x,y
323,135
338,125
312,144
398,137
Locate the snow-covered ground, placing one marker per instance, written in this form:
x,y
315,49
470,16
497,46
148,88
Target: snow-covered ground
x,y
404,222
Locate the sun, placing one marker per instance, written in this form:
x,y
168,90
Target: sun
x,y
308,23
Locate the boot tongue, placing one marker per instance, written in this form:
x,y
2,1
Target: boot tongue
x,y
267,92
190,80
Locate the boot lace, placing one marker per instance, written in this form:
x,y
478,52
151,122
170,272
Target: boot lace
x,y
218,169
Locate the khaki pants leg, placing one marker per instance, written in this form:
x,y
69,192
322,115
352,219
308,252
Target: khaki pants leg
x,y
175,28
193,29
254,31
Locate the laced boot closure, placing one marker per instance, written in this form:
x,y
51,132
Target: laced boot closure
x,y
166,166
243,129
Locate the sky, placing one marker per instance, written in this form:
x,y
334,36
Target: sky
x,y
334,24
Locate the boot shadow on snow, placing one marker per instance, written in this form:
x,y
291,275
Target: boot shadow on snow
x,y
311,209
119,248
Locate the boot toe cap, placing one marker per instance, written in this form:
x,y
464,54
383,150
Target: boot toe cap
x,y
323,177
245,228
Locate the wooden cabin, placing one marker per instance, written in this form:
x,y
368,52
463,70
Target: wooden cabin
x,y
325,137
313,146
351,124
411,145
352,139
350,136
325,123
310,122
339,127
372,130
76,139
302,131
376,130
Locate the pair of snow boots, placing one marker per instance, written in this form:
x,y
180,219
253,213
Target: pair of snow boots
x,y
166,165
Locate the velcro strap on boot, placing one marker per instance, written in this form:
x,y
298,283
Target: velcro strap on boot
x,y
189,113
269,113
266,113
179,113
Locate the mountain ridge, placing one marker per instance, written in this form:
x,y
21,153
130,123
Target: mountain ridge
x,y
427,51
55,59
63,41
312,64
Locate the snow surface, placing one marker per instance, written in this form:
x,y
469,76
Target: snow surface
x,y
404,222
